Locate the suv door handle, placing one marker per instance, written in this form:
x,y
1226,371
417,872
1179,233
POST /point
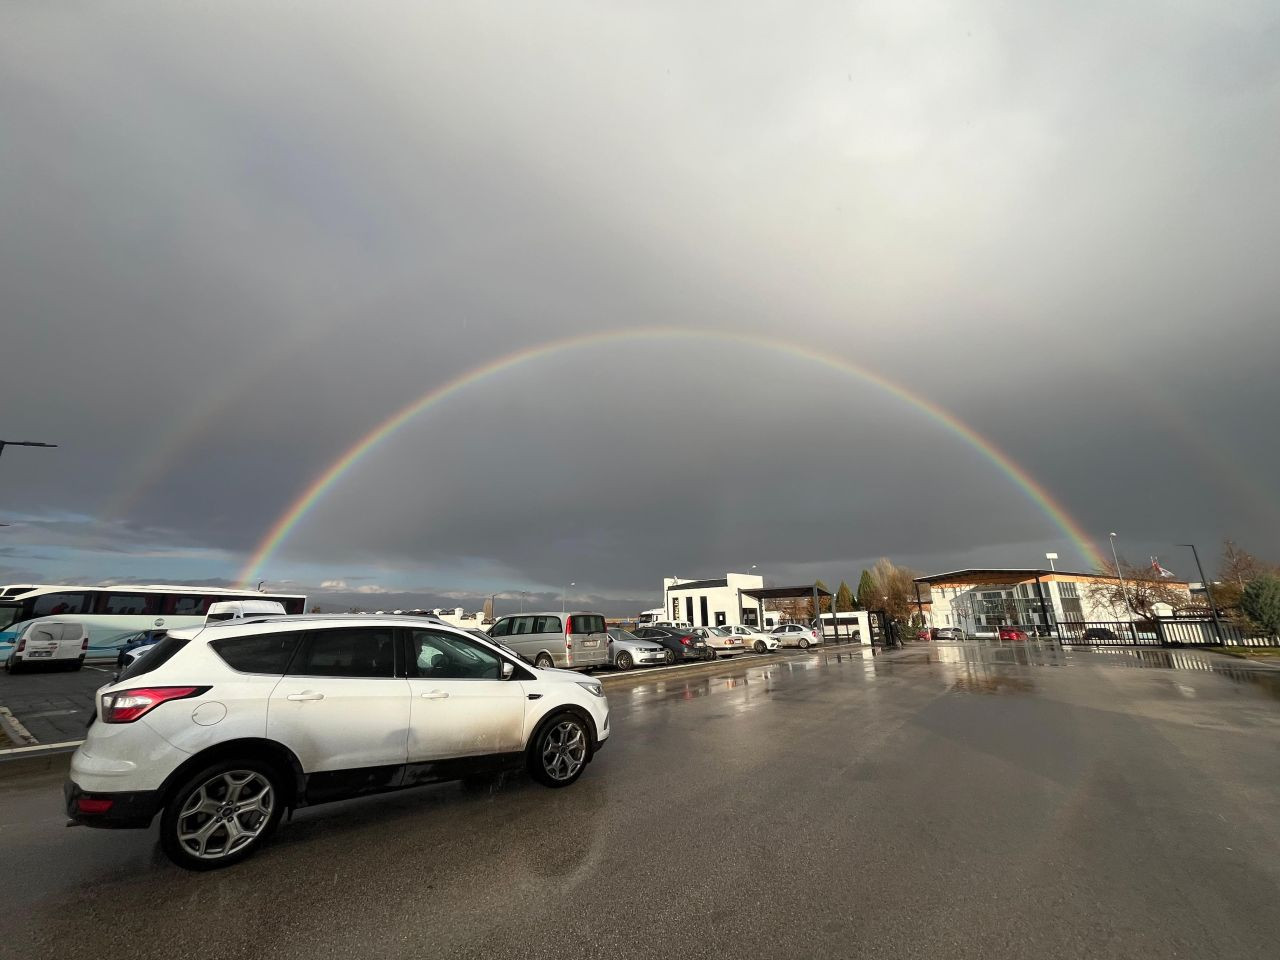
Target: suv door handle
x,y
435,695
309,695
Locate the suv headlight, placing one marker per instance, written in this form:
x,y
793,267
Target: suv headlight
x,y
592,687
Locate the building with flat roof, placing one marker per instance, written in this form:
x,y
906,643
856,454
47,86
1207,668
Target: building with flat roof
x,y
981,600
712,603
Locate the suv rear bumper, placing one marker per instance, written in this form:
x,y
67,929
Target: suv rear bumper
x,y
133,810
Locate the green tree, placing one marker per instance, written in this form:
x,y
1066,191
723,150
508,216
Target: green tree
x,y
868,598
844,598
824,603
1261,602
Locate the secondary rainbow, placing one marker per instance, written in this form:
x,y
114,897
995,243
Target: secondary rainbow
x,y
315,491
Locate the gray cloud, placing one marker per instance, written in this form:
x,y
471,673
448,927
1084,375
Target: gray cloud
x,y
237,238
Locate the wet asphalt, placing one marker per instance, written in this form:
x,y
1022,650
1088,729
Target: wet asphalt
x,y
940,801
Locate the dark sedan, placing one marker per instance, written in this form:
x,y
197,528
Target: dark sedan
x,y
679,644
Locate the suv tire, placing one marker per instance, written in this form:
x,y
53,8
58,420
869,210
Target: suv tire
x,y
208,824
543,661
559,751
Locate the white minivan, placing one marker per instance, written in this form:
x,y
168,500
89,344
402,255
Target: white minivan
x,y
576,640
58,643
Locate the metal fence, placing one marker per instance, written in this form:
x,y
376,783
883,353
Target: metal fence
x,y
1162,632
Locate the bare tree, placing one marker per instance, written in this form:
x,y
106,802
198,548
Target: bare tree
x,y
895,586
1140,589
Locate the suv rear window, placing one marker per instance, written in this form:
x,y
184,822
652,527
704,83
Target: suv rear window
x,y
160,654
588,623
267,653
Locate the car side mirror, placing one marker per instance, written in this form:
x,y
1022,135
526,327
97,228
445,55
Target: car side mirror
x,y
508,669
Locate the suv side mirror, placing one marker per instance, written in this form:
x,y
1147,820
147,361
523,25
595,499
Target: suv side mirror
x,y
508,669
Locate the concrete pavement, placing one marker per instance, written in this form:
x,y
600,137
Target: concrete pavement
x,y
933,802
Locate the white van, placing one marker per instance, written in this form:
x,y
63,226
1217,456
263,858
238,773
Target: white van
x,y
240,609
576,640
672,624
59,643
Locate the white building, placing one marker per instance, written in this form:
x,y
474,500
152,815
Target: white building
x,y
980,601
714,603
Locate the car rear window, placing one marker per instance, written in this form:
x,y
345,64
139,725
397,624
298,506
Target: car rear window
x,y
587,623
159,654
266,653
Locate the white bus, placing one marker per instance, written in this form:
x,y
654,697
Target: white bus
x,y
113,614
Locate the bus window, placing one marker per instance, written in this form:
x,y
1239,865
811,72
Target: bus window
x,y
189,605
9,612
291,604
128,603
52,604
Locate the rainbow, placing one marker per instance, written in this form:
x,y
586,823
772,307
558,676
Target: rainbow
x,y
315,491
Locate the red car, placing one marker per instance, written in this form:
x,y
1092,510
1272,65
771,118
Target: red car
x,y
1012,633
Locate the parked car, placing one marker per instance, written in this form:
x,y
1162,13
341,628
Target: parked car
x,y
626,650
133,646
1099,635
796,635
948,633
679,644
221,729
481,635
752,639
720,641
60,644
576,640
1012,633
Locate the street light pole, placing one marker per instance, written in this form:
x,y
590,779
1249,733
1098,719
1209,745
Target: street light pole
x,y
1208,591
562,595
23,443
1124,591
1051,557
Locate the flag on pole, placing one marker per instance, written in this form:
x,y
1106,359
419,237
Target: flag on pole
x,y
1158,570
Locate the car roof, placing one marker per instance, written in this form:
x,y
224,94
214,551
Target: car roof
x,y
222,628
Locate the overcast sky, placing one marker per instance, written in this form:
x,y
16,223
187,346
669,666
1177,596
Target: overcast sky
x,y
238,236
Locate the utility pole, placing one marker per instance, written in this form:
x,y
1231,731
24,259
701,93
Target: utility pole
x,y
1124,591
1208,591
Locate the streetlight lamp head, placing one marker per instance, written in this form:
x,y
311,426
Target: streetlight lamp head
x,y
1111,534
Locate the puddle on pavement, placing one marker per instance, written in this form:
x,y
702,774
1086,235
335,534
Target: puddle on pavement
x,y
993,684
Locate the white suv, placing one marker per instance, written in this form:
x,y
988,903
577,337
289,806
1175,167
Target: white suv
x,y
222,728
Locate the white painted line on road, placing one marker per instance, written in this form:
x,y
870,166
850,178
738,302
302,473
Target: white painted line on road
x,y
15,751
99,669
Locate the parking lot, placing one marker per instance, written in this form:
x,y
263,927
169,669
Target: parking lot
x,y
958,801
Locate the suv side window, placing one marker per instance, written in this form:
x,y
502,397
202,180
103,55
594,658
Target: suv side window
x,y
501,629
266,653
346,652
446,656
546,625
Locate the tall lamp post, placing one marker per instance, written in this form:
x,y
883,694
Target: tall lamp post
x,y
562,595
1124,591
1051,557
1208,591
23,443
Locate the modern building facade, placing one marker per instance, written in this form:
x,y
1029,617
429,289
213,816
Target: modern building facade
x,y
714,603
980,601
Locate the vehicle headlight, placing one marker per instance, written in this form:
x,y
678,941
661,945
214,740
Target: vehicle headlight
x,y
592,687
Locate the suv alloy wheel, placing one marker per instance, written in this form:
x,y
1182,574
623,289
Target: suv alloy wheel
x,y
222,814
559,753
543,661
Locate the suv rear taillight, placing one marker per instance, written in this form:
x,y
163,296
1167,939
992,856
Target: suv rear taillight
x,y
22,645
127,706
568,625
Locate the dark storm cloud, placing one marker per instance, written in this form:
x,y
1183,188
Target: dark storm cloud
x,y
237,237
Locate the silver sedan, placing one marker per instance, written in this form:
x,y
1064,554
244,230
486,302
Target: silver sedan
x,y
626,650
